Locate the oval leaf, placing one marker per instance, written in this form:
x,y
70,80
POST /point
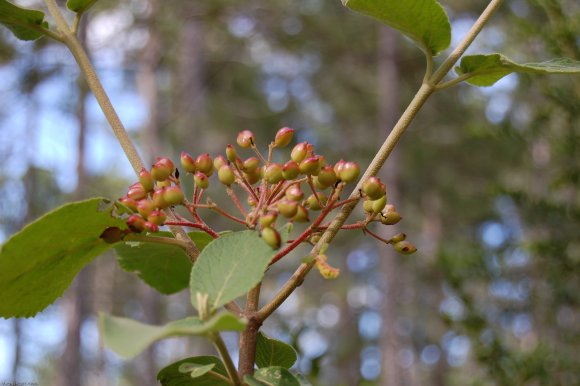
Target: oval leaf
x,y
164,267
272,376
80,5
273,352
39,262
128,337
229,267
194,370
23,22
485,70
424,21
217,376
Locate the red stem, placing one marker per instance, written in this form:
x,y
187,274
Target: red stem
x,y
204,227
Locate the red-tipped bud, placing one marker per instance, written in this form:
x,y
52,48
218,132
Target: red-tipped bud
x,y
271,237
287,208
129,203
136,223
267,219
146,180
404,247
313,204
145,207
299,152
349,172
389,215
201,180
250,165
168,163
158,199
254,177
136,191
379,204
338,167
150,227
157,217
294,193
173,195
204,164
283,137
231,153
226,175
310,166
301,214
273,173
160,171
374,188
187,162
219,161
327,176
290,170
245,138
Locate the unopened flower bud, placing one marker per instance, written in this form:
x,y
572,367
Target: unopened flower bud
x,y
327,176
374,188
245,139
389,215
301,214
294,193
231,153
273,173
136,191
299,152
166,162
187,162
267,219
313,203
226,175
201,180
379,204
309,166
338,167
204,164
173,195
368,206
404,247
160,171
146,180
136,223
271,237
398,238
129,203
219,161
290,170
150,227
254,177
283,137
349,172
158,200
157,217
145,207
250,165
287,208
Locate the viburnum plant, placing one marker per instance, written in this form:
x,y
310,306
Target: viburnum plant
x,y
38,263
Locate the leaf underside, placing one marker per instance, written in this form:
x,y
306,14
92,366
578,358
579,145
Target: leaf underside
x,y
272,376
80,5
273,352
23,22
171,376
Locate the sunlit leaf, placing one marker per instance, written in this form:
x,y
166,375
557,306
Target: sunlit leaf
x,y
485,70
173,376
128,337
273,352
38,263
424,21
24,23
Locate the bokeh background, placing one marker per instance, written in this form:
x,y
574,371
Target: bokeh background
x,y
487,180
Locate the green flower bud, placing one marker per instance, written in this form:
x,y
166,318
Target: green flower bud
x,y
287,208
204,164
327,177
349,172
294,193
158,200
187,162
368,206
398,238
301,214
254,177
299,152
290,170
309,166
271,237
374,188
267,219
283,137
273,173
389,215
219,161
245,138
173,195
226,175
157,217
160,171
313,203
168,163
201,180
250,165
231,153
146,180
404,247
379,205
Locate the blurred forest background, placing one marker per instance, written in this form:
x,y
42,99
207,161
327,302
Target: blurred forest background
x,y
487,181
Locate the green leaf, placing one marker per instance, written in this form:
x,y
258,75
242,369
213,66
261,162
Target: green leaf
x,y
22,22
485,70
80,5
164,267
229,267
272,376
39,262
172,376
195,370
128,337
424,21
273,352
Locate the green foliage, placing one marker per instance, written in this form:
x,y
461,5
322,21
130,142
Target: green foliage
x,y
272,352
424,21
195,370
229,267
164,267
39,262
80,6
128,337
272,376
24,23
485,70
177,374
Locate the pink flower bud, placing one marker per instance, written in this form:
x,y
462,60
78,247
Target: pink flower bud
x,y
150,227
309,166
157,217
145,207
187,162
146,180
290,170
136,223
283,137
136,191
349,172
374,188
294,193
245,138
299,152
204,164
